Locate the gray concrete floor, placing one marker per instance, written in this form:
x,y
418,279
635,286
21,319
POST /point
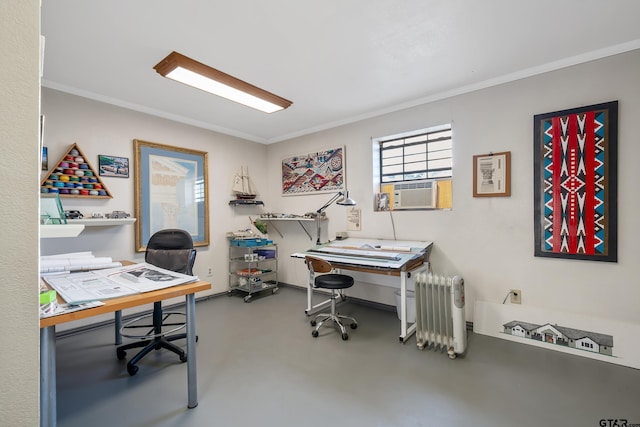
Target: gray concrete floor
x,y
258,365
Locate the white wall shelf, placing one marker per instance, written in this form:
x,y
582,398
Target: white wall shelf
x,y
299,220
74,227
101,222
60,230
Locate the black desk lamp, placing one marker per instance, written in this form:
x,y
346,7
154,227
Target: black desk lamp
x,y
342,198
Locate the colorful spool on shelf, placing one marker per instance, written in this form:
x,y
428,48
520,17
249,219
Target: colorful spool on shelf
x,y
73,176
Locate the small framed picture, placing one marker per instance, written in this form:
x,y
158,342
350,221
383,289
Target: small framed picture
x,y
45,159
492,175
113,166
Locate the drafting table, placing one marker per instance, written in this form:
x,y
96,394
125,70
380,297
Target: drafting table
x,y
48,340
397,258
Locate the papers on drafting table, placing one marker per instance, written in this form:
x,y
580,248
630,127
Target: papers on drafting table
x,y
98,285
76,261
359,252
402,246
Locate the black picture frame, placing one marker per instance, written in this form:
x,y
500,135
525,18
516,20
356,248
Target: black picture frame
x,y
576,183
112,166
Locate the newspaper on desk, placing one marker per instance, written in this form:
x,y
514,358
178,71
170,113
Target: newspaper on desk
x,y
97,285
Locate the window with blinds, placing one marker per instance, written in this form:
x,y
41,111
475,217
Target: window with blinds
x,y
424,155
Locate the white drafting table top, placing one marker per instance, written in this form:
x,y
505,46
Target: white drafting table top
x,y
391,254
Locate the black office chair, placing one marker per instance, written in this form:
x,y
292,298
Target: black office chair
x,y
171,249
334,282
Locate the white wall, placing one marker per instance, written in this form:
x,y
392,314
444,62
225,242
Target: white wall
x,y
19,147
490,241
100,128
487,240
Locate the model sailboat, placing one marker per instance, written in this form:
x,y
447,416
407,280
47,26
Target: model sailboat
x,y
242,185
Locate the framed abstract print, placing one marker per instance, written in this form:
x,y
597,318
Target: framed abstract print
x,y
575,183
313,173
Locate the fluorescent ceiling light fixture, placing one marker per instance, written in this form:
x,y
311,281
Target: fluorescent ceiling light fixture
x,y
193,73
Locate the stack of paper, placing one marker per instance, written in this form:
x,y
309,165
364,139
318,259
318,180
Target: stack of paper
x,y
77,261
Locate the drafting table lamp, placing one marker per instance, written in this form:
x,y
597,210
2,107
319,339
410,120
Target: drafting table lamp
x,y
341,198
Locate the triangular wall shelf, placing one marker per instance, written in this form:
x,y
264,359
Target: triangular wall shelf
x,y
73,176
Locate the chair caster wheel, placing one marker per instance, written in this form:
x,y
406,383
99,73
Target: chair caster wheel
x,y
183,358
314,334
132,369
121,354
313,323
354,326
345,336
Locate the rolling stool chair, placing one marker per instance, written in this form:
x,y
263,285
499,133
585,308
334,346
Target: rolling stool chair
x,y
336,283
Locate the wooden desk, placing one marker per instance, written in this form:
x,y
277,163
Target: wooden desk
x,y
48,341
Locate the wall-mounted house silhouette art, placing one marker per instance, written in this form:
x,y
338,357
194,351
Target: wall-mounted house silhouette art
x,y
561,335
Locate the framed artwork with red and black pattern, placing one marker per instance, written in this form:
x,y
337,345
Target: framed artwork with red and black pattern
x,y
575,183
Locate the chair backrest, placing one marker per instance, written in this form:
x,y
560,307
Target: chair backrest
x,y
171,249
317,265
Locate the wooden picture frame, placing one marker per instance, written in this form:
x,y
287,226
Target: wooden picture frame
x,y
576,183
171,191
492,175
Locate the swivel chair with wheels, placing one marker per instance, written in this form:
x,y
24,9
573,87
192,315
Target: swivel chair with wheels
x,y
336,283
171,249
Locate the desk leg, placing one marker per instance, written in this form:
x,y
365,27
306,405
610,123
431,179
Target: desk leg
x,y
118,326
309,298
192,375
312,309
48,377
405,332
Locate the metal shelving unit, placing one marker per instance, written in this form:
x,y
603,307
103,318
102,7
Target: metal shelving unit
x,y
253,269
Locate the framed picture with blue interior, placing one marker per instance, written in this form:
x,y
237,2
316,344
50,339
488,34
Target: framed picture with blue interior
x,y
171,188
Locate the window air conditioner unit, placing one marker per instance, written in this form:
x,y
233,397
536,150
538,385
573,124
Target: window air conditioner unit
x,y
415,195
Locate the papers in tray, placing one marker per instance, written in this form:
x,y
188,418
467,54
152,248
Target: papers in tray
x,y
109,283
69,308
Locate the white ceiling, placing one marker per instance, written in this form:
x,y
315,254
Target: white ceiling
x,y
337,60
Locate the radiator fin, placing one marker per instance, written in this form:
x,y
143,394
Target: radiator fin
x,y
440,318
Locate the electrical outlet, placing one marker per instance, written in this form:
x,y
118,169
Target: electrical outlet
x,y
210,272
515,296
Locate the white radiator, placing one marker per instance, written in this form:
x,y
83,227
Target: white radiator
x,y
440,319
